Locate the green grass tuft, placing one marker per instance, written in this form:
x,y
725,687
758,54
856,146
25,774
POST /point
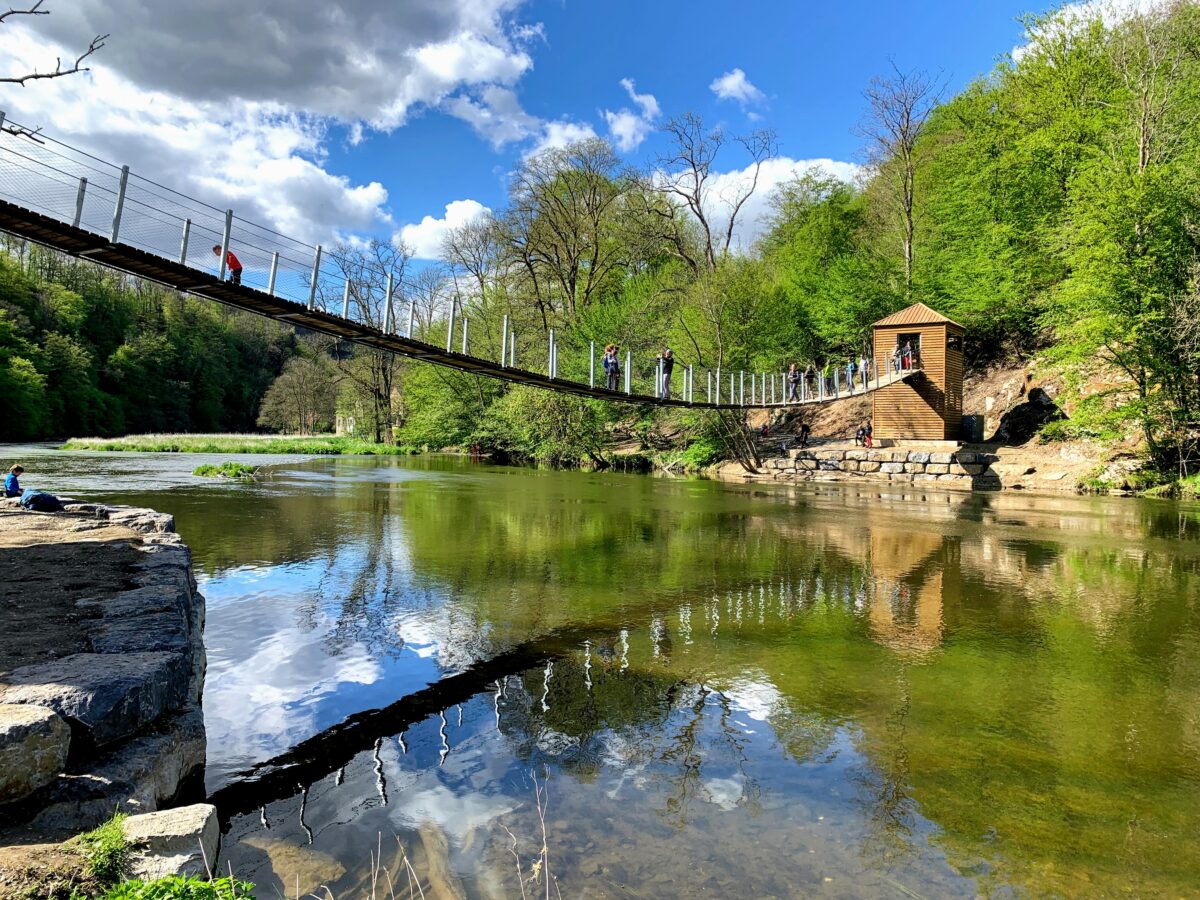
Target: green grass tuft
x,y
226,470
106,850
177,887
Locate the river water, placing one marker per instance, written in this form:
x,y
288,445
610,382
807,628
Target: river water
x,y
684,687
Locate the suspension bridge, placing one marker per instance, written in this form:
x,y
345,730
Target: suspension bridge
x,y
62,197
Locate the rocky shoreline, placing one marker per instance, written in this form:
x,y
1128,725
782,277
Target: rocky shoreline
x,y
114,723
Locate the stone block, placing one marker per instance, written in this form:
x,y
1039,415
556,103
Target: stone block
x,y
967,469
138,634
181,841
869,466
106,696
829,465
33,749
924,476
137,776
891,468
966,456
942,459
831,454
850,465
918,456
914,467
937,469
856,454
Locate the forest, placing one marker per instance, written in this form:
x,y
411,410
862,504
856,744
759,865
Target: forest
x,y
1052,207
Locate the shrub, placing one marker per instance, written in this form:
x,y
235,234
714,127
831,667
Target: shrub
x,y
179,888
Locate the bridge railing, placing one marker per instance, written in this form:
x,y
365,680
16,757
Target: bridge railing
x,y
47,176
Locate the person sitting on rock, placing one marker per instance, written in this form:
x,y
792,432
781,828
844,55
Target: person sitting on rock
x,y
12,482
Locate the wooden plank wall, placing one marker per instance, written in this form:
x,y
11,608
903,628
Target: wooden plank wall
x,y
954,386
913,409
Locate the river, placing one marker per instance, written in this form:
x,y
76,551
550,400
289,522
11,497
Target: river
x,y
684,687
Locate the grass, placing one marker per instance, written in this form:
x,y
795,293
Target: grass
x,y
306,445
176,887
231,469
106,851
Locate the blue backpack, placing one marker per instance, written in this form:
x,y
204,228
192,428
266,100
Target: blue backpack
x,y
39,501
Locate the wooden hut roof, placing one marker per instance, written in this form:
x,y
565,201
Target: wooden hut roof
x,y
917,314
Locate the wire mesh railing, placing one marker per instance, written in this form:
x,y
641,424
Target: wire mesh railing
x,y
74,187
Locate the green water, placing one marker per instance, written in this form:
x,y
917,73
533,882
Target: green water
x,y
740,691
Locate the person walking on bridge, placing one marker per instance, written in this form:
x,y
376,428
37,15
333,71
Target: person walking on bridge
x,y
232,263
612,367
793,384
668,366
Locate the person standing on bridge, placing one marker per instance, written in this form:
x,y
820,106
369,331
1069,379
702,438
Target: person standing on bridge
x,y
864,371
612,367
232,263
793,384
668,366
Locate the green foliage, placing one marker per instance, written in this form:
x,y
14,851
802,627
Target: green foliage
x,y
239,443
177,887
529,424
701,453
106,851
226,470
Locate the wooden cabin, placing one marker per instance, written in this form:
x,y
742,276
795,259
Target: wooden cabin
x,y
927,406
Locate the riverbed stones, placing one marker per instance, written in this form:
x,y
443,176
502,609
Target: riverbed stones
x,y
937,468
181,841
34,742
104,696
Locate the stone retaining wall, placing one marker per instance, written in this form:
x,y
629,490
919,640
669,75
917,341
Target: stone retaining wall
x,y
118,727
963,469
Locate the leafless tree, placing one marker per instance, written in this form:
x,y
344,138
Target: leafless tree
x,y
430,291
899,109
373,373
683,176
59,69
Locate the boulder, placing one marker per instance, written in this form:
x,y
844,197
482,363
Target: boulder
x,y
181,841
33,749
891,468
137,776
106,696
941,459
918,456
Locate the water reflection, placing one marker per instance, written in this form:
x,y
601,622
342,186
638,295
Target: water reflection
x,y
896,690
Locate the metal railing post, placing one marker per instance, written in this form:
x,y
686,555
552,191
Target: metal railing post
x,y
512,349
316,271
388,317
466,327
628,370
658,378
591,364
183,243
691,385
504,342
753,382
79,196
225,243
732,393
709,387
550,355
742,388
345,300
412,318
274,273
450,331
116,222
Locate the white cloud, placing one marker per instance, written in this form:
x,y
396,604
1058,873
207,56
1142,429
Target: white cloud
x,y
425,238
628,128
734,85
497,116
726,186
560,133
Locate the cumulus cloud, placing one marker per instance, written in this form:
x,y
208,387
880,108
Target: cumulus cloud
x,y
425,237
560,133
734,85
627,127
233,104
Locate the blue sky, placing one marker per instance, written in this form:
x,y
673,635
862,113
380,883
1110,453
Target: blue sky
x,y
363,118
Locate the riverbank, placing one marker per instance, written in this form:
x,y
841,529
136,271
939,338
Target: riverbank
x,y
303,445
102,668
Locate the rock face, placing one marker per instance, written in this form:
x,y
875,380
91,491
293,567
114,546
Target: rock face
x,y
180,841
105,696
33,749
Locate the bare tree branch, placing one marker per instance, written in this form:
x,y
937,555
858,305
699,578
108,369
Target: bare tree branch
x,y
59,70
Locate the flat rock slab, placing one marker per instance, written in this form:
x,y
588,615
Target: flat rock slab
x,y
106,696
34,742
180,841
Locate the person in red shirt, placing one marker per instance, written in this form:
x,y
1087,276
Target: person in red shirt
x,y
232,263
